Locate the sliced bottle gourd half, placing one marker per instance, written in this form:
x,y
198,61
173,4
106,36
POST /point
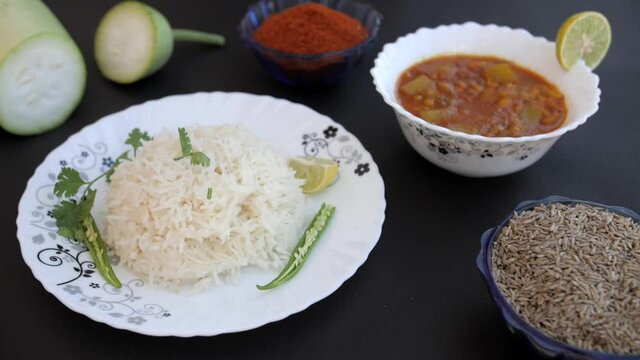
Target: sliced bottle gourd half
x,y
135,40
42,72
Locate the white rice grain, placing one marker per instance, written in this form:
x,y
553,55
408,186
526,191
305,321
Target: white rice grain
x,y
164,228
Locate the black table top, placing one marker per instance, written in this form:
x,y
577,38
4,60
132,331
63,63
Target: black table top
x,y
419,294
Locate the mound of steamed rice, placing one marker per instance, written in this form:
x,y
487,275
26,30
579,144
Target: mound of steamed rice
x,y
164,228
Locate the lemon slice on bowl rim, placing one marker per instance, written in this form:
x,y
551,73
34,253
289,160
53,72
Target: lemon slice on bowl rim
x,y
318,173
585,35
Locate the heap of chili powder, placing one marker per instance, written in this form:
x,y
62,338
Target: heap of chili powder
x,y
310,29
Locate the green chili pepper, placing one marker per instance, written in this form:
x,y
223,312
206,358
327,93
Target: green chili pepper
x,y
303,248
98,250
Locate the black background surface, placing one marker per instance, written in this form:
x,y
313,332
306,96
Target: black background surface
x,y
419,294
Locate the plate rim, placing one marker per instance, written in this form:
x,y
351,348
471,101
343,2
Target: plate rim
x,y
165,331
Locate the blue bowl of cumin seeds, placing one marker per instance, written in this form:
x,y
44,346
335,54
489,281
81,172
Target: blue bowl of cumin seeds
x,y
565,275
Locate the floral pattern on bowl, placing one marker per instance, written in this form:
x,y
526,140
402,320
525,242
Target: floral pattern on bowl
x,y
451,145
476,155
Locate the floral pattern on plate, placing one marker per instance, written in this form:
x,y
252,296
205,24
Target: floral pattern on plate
x,y
335,147
65,268
69,256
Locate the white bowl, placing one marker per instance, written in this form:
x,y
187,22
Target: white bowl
x,y
476,155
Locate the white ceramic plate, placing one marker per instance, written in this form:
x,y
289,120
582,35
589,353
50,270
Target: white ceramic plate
x,y
65,269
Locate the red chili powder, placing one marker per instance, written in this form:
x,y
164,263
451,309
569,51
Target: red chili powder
x,y
310,29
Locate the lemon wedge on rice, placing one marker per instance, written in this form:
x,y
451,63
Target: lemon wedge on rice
x,y
318,173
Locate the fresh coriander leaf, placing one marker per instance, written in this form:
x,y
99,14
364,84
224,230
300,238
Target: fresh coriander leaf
x,y
67,214
73,217
135,139
119,160
110,173
69,182
69,233
81,234
199,158
185,141
73,233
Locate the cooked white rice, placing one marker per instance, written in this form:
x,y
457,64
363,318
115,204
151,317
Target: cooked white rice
x,y
164,228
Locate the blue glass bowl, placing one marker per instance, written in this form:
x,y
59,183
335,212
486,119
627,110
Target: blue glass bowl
x,y
545,345
309,71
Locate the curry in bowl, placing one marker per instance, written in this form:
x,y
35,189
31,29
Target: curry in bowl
x,y
481,95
